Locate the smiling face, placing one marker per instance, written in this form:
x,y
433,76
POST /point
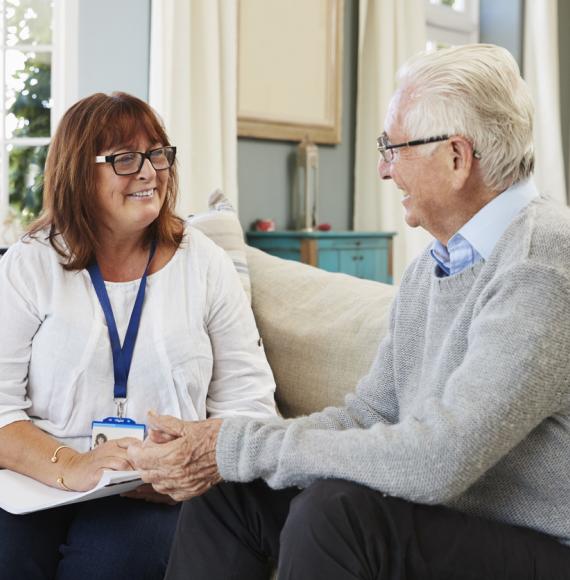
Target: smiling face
x,y
424,178
128,204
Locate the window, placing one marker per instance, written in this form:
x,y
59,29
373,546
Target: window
x,y
452,22
25,71
38,73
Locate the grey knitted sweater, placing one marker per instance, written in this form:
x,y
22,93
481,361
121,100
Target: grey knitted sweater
x,y
468,400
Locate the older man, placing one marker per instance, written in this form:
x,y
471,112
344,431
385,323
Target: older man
x,y
452,457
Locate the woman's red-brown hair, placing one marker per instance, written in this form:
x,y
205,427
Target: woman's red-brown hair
x,y
94,124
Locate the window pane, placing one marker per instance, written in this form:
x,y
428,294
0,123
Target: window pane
x,y
455,4
28,89
26,180
28,21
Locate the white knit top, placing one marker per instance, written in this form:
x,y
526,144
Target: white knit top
x,y
197,352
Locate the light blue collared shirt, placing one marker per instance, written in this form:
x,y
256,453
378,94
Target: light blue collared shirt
x,y
476,240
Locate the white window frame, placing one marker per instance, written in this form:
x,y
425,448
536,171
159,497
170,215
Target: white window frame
x,y
449,26
64,88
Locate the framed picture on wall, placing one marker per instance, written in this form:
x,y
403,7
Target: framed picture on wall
x,y
290,69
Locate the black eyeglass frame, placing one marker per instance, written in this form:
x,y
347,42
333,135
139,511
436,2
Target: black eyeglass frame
x,y
383,144
382,147
148,155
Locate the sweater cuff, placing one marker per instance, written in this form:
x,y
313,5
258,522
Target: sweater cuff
x,y
228,446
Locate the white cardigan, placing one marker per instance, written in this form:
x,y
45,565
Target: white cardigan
x,y
197,354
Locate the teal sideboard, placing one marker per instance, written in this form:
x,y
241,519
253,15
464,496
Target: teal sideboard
x,y
362,254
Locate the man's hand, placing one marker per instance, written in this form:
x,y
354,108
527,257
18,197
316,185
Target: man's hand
x,y
178,457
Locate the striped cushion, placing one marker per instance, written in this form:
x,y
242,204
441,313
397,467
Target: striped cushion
x,y
220,223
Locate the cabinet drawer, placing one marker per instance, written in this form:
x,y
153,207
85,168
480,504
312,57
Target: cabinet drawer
x,y
353,243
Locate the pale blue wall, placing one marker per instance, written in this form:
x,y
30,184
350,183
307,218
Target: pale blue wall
x,y
113,51
501,22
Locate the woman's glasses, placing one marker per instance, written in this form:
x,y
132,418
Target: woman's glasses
x,y
131,162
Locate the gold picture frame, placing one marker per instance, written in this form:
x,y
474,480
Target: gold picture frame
x,y
290,69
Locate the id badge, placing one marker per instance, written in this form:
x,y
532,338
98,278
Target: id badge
x,y
115,428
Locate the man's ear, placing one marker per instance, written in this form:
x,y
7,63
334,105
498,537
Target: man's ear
x,y
462,158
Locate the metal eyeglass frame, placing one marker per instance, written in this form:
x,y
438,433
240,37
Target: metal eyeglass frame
x,y
142,156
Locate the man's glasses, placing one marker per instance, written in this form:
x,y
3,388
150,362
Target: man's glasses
x,y
389,150
132,161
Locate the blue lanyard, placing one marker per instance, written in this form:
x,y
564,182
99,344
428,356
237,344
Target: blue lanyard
x,y
122,357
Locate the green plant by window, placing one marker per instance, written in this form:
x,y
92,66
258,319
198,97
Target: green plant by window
x,y
31,108
26,37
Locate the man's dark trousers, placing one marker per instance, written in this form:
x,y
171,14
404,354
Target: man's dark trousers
x,y
336,530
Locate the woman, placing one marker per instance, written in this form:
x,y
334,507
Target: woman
x,y
111,307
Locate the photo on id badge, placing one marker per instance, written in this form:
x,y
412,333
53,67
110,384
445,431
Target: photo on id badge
x,y
115,428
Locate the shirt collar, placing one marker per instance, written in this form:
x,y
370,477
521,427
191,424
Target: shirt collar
x,y
477,239
486,227
456,257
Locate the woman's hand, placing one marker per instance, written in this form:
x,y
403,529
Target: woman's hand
x,y
82,471
179,457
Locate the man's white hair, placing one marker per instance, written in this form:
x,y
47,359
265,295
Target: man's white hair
x,y
476,91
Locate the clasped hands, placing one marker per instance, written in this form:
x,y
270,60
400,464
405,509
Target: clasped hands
x,y
178,458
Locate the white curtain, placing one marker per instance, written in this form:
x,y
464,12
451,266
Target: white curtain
x,y
193,70
390,31
540,62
